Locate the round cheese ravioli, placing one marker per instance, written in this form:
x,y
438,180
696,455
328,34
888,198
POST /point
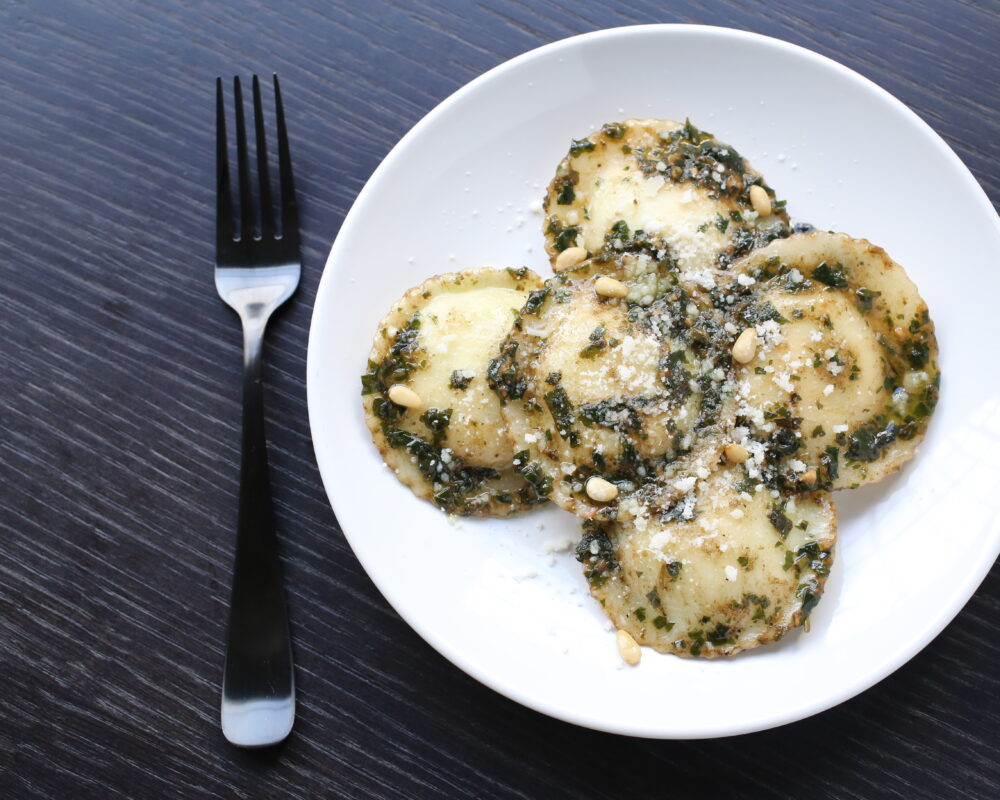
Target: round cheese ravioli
x,y
730,568
845,375
597,386
662,185
426,399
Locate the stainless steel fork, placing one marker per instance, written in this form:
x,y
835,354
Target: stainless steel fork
x,y
257,269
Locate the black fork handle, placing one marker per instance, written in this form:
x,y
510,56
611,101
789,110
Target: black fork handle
x,y
259,651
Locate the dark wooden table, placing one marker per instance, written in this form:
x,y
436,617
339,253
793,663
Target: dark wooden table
x,y
120,406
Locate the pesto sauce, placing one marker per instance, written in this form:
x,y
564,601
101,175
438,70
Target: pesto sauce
x,y
617,415
458,483
754,313
783,441
697,638
711,402
867,442
745,238
781,523
903,416
579,146
613,130
750,599
684,155
833,278
564,186
563,235
458,488
695,156
720,635
597,343
540,483
815,558
504,376
437,422
830,463
619,241
675,377
597,554
809,593
562,412
865,298
399,362
460,380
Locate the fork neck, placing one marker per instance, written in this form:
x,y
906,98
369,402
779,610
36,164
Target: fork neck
x,y
253,393
253,344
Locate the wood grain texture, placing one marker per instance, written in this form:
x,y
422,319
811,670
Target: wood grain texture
x,y
119,407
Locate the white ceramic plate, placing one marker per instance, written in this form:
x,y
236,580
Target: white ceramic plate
x,y
457,191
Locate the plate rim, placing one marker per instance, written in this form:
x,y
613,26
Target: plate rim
x,y
483,673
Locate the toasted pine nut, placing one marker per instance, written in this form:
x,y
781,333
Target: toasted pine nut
x,y
628,648
745,347
809,476
601,490
609,287
404,396
736,453
760,201
570,257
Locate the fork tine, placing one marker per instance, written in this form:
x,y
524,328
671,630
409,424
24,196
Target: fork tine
x,y
289,209
266,211
243,164
223,192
